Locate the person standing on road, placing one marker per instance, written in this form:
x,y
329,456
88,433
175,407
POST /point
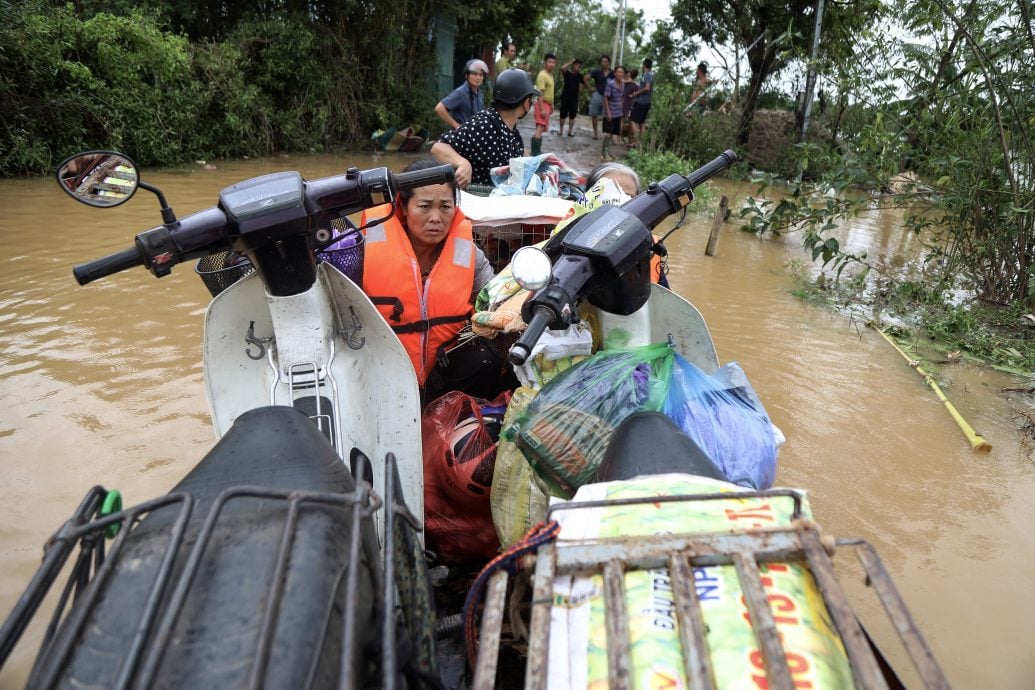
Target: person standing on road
x,y
490,138
570,93
597,80
544,104
466,100
614,95
628,89
641,102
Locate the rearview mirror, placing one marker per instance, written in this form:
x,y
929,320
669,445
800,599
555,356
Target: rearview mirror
x,y
531,268
99,178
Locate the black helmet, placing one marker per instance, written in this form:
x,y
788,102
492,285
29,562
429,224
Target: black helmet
x,y
513,86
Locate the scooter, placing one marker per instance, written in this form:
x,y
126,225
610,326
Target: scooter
x,y
271,534
291,556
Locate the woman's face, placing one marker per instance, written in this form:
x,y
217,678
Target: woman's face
x,y
428,214
619,74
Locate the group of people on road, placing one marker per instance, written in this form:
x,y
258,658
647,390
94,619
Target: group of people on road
x,y
620,101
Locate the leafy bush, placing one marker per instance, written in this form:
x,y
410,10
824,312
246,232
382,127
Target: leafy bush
x,y
279,82
692,135
657,165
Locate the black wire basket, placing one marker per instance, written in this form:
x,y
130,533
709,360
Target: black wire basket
x,y
220,271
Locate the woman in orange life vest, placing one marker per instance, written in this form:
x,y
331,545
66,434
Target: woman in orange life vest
x,y
423,269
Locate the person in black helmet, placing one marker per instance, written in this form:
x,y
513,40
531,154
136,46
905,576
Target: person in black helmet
x,y
465,101
490,138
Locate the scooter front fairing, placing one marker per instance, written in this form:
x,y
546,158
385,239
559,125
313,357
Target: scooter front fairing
x,y
326,351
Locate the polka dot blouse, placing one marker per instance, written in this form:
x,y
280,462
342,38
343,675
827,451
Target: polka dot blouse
x,y
486,142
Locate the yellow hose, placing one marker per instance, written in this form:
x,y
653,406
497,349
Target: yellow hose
x,y
977,443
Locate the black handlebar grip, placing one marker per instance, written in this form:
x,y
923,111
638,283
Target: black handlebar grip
x,y
710,170
520,350
440,174
120,261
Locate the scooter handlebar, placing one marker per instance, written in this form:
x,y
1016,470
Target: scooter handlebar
x,y
108,265
712,168
520,350
442,174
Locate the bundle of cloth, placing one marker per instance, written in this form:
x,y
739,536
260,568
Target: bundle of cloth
x,y
542,175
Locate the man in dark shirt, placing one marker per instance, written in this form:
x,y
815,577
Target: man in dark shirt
x,y
597,80
571,71
490,138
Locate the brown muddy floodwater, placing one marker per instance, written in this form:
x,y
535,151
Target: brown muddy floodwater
x,y
103,385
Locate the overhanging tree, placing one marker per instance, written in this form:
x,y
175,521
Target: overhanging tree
x,y
771,33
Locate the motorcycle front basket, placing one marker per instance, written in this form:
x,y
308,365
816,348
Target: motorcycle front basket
x,y
346,255
220,271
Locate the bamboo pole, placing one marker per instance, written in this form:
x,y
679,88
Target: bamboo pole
x,y
720,218
977,443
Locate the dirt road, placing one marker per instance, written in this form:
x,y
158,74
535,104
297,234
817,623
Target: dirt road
x,y
580,151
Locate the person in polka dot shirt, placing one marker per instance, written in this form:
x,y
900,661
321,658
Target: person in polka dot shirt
x,y
490,138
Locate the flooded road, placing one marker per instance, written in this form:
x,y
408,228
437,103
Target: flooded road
x,y
103,385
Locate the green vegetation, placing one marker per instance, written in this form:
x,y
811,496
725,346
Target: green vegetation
x,y
942,130
653,166
169,81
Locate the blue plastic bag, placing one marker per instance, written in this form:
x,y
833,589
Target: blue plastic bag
x,y
724,416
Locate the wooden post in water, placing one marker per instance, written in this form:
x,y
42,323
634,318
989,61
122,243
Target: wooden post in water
x,y
720,218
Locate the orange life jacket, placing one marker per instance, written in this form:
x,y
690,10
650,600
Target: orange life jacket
x,y
655,264
426,315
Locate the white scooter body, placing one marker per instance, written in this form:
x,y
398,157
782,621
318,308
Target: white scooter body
x,y
665,315
362,370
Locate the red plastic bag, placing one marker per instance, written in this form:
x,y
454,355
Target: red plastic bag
x,y
460,434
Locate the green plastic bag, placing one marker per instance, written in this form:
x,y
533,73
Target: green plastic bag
x,y
566,428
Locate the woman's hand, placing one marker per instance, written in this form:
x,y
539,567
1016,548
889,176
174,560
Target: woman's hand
x,y
447,154
463,173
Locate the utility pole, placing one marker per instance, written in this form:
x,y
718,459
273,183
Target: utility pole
x,y
810,80
618,49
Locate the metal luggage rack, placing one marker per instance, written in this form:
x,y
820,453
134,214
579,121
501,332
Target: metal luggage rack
x,y
165,600
679,553
499,243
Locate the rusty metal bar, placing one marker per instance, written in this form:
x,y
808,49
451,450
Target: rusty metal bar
x,y
864,664
889,596
492,628
619,660
696,657
539,628
777,672
650,552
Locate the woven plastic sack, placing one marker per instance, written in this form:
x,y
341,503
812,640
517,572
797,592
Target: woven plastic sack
x,y
724,416
516,500
565,430
459,434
